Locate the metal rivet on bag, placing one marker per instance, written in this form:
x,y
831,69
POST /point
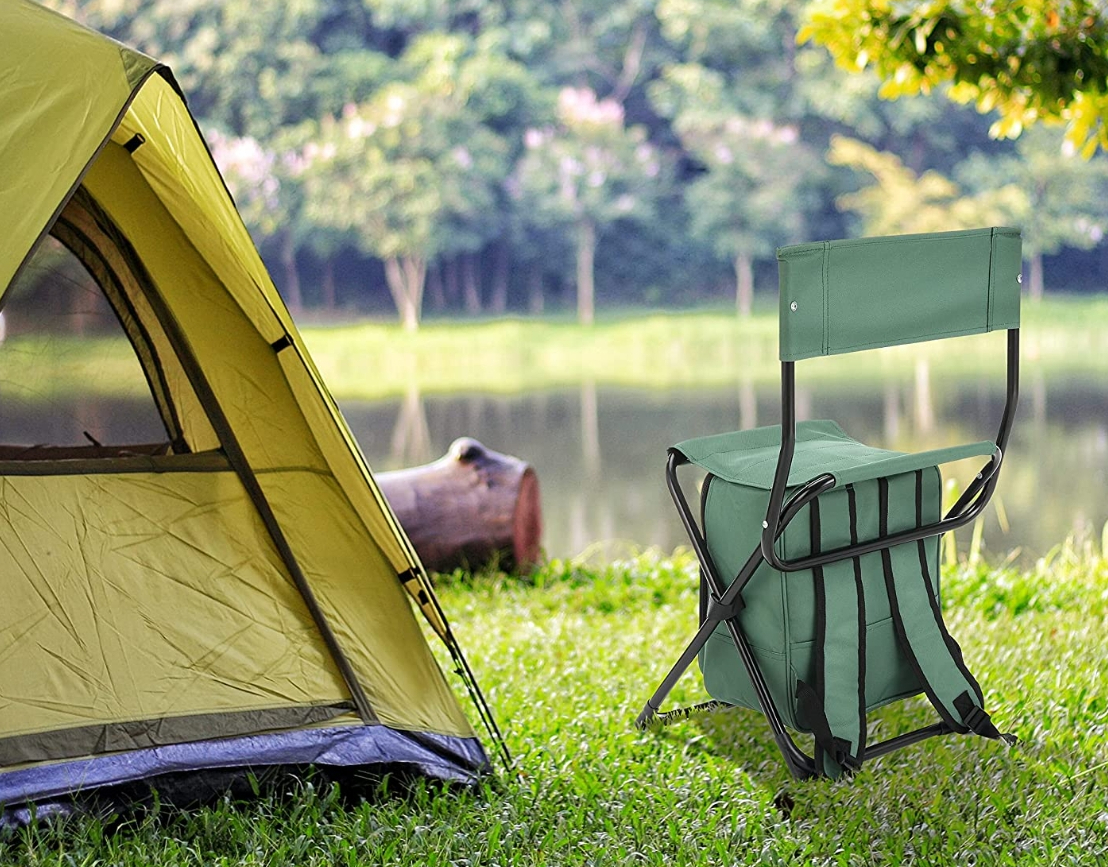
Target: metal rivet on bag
x,y
792,306
1019,278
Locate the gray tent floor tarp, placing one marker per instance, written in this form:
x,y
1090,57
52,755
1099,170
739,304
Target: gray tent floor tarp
x,y
65,787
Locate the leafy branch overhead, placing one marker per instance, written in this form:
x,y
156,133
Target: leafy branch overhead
x,y
1032,60
901,202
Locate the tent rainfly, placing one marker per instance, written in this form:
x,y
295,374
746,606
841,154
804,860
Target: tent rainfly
x,y
225,589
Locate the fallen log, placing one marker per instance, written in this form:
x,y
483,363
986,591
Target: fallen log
x,y
470,508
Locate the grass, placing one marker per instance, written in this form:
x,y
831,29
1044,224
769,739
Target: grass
x,y
661,350
666,350
567,659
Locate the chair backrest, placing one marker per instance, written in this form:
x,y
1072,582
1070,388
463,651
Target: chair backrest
x,y
844,296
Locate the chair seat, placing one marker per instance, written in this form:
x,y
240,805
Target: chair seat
x,y
749,457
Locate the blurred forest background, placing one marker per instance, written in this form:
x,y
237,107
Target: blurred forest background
x,y
469,157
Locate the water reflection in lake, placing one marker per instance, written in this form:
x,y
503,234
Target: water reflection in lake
x,y
599,452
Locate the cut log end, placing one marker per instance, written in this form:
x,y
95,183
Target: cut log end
x,y
527,523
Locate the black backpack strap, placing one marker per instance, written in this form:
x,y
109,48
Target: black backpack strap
x,y
932,652
834,705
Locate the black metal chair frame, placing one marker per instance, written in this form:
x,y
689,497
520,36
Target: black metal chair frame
x,y
724,601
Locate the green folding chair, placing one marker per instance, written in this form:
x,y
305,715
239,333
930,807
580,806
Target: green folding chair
x,y
819,555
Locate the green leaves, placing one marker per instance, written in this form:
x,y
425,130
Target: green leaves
x,y
899,201
416,171
495,184
752,197
407,172
1030,61
585,172
588,165
1065,194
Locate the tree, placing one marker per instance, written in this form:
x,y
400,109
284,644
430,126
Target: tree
x,y
413,173
585,173
1065,195
1030,60
757,177
900,201
749,45
257,74
252,67
691,78
753,196
404,173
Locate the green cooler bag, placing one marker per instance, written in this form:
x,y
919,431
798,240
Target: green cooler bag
x,y
836,641
779,617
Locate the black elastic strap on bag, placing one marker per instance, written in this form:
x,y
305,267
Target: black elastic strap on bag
x,y
898,620
818,648
958,706
933,597
810,706
852,505
979,722
834,754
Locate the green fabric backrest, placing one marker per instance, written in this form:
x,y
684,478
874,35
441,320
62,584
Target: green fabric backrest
x,y
843,296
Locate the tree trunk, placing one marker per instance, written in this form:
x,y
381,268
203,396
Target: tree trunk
x,y
536,303
468,509
748,405
469,283
293,297
744,284
406,277
892,416
498,303
1035,277
586,255
925,403
327,284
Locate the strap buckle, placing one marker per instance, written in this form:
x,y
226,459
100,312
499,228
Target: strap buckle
x,y
977,720
841,754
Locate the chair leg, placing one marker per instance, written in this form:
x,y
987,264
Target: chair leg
x,y
801,765
724,605
654,703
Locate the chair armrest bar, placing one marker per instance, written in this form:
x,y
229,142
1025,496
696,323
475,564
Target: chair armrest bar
x,y
985,483
969,505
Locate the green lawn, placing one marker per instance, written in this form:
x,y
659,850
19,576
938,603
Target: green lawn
x,y
567,660
371,360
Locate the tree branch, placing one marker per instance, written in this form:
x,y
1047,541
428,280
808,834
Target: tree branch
x,y
632,62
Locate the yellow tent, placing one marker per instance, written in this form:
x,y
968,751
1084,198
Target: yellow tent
x,y
233,591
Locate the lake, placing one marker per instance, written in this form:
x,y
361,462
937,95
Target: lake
x,y
599,452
